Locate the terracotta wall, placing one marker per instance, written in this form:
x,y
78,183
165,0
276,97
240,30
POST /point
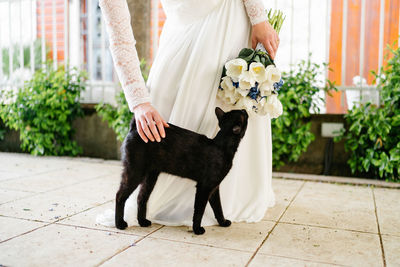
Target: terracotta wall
x,y
371,43
48,25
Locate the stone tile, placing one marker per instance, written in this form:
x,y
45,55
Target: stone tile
x,y
58,245
52,180
9,195
240,236
388,210
88,219
391,246
324,245
58,204
331,205
157,252
21,166
262,260
10,227
284,191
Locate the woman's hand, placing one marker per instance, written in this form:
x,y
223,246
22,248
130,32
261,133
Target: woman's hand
x,y
149,123
266,35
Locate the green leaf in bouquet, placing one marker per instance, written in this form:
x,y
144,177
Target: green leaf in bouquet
x,y
247,54
263,60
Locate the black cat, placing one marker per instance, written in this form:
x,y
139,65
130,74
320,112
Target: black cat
x,y
183,153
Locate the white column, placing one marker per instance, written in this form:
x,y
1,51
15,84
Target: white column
x,y
43,32
54,29
74,42
32,37
66,33
21,47
10,48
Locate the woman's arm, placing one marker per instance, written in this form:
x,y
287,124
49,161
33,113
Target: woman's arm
x,y
122,45
116,15
262,31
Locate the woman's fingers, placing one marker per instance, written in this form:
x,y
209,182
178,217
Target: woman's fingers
x,y
270,50
140,131
160,125
253,43
152,125
146,129
165,123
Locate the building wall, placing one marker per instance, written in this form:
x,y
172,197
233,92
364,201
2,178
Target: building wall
x,y
353,43
49,26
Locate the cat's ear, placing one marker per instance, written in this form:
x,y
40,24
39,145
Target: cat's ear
x,y
219,112
237,129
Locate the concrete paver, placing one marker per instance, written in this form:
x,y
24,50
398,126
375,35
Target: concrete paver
x,y
222,237
388,209
58,245
12,227
48,207
391,244
158,252
332,246
87,219
284,190
338,206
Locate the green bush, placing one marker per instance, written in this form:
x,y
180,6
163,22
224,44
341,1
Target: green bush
x,y
291,133
372,133
44,109
119,117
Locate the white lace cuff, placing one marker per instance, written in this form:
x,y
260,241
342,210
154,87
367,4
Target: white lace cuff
x,y
255,10
122,45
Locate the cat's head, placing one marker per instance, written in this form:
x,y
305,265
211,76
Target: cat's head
x,y
232,122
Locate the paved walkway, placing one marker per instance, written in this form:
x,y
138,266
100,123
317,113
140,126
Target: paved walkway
x,y
48,207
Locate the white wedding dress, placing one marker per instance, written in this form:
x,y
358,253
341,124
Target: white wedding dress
x,y
198,37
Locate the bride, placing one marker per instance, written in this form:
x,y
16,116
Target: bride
x,y
198,37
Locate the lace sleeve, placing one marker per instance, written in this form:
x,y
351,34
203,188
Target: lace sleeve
x,y
255,10
122,45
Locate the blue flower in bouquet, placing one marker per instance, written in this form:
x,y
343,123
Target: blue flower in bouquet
x,y
278,85
254,92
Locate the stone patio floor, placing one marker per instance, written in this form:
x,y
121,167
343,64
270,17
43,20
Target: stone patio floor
x,y
48,207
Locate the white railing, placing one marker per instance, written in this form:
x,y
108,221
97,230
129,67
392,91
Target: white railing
x,y
85,44
80,35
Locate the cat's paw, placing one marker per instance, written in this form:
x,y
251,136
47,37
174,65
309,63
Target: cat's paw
x,y
144,223
199,230
121,224
225,223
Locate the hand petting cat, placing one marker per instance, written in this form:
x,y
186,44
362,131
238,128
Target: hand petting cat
x,y
149,123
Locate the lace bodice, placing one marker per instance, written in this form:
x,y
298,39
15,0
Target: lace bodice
x,y
122,45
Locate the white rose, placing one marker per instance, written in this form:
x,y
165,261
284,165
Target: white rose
x,y
273,74
260,108
246,103
227,84
228,95
246,81
257,70
232,96
266,89
273,106
235,67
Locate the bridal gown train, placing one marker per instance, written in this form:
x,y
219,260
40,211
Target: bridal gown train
x,y
198,37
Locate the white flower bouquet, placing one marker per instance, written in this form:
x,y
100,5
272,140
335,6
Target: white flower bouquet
x,y
251,81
